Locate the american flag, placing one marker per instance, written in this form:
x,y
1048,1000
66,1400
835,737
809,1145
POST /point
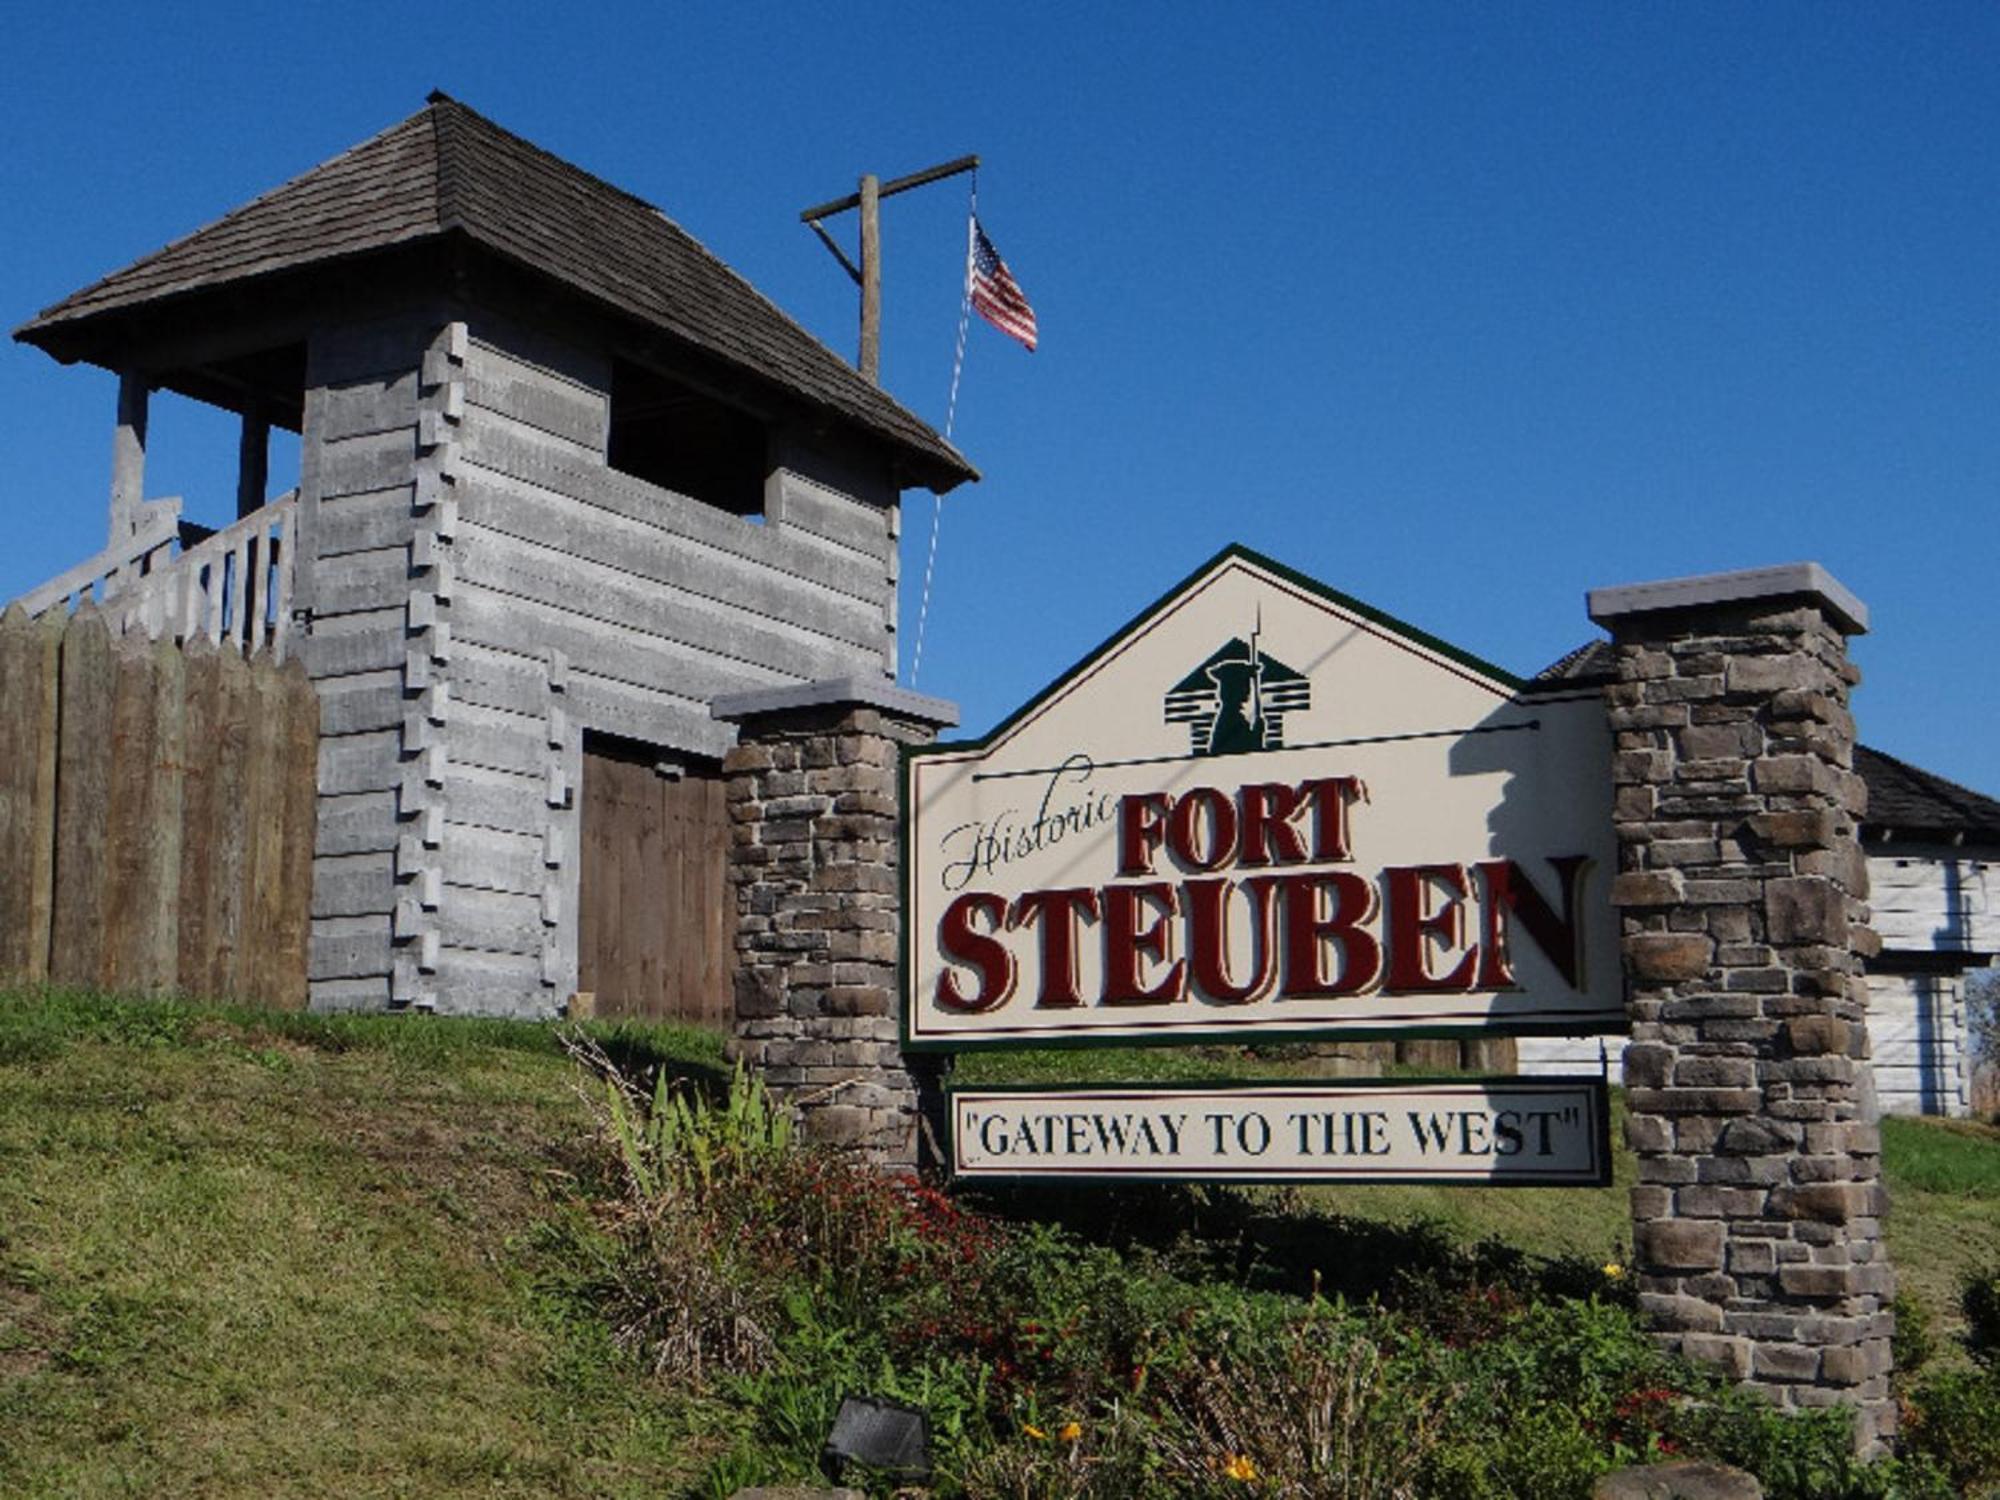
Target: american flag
x,y
996,296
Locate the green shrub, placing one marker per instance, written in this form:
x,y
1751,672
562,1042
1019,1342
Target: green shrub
x,y
1979,1299
1914,1343
1953,1422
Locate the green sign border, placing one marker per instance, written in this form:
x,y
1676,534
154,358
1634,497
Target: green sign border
x,y
1186,1037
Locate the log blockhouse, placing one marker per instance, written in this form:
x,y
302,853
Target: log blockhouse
x,y
564,478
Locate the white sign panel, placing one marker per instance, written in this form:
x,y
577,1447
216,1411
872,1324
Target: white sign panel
x,y
1264,810
1540,1132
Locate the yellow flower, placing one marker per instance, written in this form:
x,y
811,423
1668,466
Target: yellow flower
x,y
1071,1431
1613,1270
1240,1467
1033,1431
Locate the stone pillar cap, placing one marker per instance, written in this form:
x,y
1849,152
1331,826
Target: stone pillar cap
x,y
1806,579
860,692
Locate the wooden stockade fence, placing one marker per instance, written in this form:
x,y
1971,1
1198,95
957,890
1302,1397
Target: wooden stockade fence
x,y
156,812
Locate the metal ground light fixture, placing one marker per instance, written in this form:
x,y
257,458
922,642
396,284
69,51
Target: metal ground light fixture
x,y
892,1439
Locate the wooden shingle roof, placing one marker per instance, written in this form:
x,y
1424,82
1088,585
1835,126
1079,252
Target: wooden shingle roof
x,y
448,171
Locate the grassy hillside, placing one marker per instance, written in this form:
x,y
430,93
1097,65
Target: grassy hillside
x,y
245,1255
258,1255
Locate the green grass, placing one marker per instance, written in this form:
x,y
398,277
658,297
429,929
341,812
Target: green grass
x,y
273,1255
283,1255
1944,1209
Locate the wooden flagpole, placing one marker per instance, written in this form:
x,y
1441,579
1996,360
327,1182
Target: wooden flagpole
x,y
868,275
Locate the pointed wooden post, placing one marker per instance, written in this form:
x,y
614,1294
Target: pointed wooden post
x,y
29,654
83,800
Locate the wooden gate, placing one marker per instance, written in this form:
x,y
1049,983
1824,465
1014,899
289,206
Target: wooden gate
x,y
657,925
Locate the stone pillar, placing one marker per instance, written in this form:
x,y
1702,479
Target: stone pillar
x,y
816,840
1741,886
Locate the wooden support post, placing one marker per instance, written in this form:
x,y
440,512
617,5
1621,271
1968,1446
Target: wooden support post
x,y
253,461
871,278
128,456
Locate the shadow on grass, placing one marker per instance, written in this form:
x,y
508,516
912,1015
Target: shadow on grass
x,y
1272,1241
40,1023
642,1051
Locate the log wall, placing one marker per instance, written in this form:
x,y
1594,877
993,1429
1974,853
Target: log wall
x,y
358,523
577,598
484,589
156,808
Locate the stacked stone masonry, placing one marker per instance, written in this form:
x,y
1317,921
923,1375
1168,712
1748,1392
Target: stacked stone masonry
x,y
812,801
1742,889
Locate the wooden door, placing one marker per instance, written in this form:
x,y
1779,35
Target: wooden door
x,y
657,924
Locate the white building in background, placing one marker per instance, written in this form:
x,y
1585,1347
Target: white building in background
x,y
1934,892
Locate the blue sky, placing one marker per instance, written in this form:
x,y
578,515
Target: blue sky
x,y
1464,309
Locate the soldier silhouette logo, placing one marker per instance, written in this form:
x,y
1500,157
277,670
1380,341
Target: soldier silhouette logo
x,y
1236,701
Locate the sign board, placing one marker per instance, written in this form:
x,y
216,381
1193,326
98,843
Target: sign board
x,y
1498,1132
1264,810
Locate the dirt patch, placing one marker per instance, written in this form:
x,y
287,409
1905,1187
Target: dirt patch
x,y
502,1157
27,1333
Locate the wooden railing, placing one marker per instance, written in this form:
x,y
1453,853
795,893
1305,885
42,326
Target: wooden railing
x,y
234,585
114,569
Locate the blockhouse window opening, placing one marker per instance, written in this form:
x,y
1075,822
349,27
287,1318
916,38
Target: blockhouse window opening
x,y
681,439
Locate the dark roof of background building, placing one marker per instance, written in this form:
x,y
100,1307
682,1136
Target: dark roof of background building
x,y
1901,797
1911,801
447,170
1587,664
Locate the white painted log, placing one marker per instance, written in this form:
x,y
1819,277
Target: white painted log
x,y
365,407
341,645
852,611
361,703
349,947
713,628
481,798
356,823
558,404
802,505
358,581
525,468
348,885
366,522
360,762
510,623
505,984
489,859
498,741
349,996
375,461
490,921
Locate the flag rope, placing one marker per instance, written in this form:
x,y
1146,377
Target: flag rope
x,y
950,419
